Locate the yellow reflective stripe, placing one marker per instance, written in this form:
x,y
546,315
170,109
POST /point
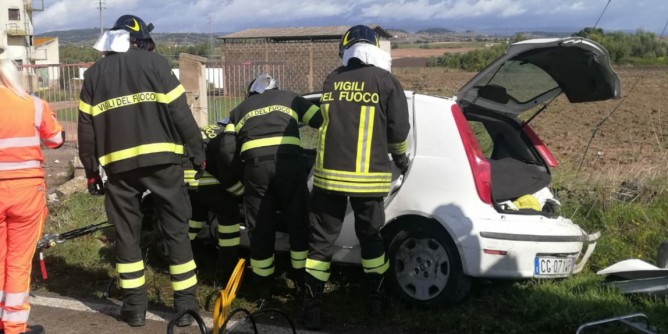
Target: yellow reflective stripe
x,y
378,270
266,263
228,228
352,187
85,107
171,96
298,259
192,236
320,275
273,141
195,224
229,242
320,152
229,128
264,272
201,182
139,150
364,139
398,148
264,111
132,283
235,187
317,265
187,283
310,113
373,263
125,268
353,176
190,173
182,268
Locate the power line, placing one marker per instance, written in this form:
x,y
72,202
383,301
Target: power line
x,y
603,12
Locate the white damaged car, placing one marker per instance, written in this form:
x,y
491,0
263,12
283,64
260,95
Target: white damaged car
x,y
476,200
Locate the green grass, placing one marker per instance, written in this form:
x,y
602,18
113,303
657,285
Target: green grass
x,y
632,227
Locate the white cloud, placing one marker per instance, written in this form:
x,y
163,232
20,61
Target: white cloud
x,y
234,15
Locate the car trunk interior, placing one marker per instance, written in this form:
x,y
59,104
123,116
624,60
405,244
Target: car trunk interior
x,y
518,170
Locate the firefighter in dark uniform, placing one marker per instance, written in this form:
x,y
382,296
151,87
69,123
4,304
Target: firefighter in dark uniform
x,y
135,122
218,192
268,141
366,117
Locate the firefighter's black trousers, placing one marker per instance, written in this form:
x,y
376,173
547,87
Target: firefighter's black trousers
x,y
122,203
327,213
214,199
275,189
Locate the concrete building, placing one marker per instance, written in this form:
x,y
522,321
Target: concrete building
x,y
300,58
16,29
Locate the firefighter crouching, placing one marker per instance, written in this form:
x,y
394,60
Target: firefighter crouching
x,y
24,121
366,116
135,122
274,175
219,191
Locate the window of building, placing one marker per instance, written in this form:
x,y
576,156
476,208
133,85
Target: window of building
x,y
14,14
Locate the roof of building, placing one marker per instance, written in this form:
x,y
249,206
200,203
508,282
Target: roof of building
x,y
298,33
38,41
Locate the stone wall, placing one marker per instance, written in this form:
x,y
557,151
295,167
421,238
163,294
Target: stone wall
x,y
306,64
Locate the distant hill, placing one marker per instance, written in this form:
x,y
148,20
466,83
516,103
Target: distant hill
x,y
89,36
435,31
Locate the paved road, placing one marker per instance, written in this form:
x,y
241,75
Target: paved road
x,y
61,315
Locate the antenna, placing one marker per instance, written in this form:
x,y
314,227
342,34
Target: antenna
x,y
100,6
600,16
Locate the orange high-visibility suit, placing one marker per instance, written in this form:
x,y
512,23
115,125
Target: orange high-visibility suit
x,y
23,122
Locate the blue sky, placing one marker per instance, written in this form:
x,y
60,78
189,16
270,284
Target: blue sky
x,y
234,15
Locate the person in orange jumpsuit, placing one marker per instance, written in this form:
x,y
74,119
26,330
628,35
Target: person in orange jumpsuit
x,y
24,121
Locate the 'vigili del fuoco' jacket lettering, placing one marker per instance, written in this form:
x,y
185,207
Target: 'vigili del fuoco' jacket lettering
x,y
353,144
146,115
268,123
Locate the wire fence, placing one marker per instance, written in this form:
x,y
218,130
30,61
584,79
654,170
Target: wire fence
x,y
227,86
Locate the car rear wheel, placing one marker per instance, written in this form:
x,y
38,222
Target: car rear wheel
x,y
425,268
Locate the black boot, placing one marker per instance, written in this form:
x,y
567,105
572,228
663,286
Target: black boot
x,y
297,277
133,318
226,261
311,312
376,298
264,287
34,329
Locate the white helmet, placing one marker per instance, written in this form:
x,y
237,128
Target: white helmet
x,y
260,84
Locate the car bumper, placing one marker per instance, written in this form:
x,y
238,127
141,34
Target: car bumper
x,y
507,255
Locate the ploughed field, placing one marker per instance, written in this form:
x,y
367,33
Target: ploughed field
x,y
634,139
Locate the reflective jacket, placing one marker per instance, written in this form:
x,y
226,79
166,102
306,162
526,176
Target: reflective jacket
x,y
23,122
223,166
133,113
366,117
268,123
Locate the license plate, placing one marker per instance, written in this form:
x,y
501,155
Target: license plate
x,y
550,266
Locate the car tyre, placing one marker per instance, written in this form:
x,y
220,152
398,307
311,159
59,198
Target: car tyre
x,y
425,268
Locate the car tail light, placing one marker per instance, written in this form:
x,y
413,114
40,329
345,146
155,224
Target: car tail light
x,y
540,146
482,172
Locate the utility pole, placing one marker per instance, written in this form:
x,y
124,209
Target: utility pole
x,y
210,39
100,6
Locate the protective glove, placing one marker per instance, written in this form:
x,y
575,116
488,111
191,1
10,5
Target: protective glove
x,y
199,168
401,161
95,185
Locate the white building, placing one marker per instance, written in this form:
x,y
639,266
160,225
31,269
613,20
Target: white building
x,y
16,30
